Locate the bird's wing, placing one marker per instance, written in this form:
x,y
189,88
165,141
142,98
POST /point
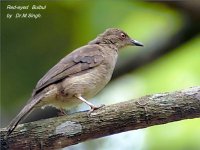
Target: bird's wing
x,y
82,59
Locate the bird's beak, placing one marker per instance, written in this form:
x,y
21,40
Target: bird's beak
x,y
136,43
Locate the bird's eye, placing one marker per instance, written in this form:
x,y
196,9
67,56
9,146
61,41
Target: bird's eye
x,y
123,35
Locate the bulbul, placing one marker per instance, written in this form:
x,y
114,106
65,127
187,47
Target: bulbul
x,y
79,76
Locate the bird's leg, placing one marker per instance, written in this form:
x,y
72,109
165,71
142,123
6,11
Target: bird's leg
x,y
62,112
92,106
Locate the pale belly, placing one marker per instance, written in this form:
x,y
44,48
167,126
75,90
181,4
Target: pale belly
x,y
87,84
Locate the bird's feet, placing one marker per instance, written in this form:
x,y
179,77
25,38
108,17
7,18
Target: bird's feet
x,y
62,112
93,107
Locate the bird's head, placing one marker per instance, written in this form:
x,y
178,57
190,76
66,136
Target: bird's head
x,y
116,37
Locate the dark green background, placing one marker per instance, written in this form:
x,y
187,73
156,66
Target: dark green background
x,y
29,47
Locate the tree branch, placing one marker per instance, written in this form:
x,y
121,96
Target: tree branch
x,y
139,113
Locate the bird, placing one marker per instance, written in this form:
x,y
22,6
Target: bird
x,y
78,76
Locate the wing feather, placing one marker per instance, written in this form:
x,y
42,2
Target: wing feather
x,y
81,59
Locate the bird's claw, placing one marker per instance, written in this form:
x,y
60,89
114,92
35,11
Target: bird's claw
x,y
94,108
62,112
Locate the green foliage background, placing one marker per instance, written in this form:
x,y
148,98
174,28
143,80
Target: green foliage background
x,y
29,47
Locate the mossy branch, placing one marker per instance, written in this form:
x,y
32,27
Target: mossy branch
x,y
139,113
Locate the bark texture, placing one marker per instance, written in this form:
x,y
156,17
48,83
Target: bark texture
x,y
139,113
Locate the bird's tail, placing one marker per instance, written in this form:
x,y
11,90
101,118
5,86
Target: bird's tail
x,y
23,113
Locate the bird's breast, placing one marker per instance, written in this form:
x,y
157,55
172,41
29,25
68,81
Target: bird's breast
x,y
89,83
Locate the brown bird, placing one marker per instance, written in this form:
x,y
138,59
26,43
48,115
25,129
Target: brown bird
x,y
78,76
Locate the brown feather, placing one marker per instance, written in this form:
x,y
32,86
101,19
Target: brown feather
x,y
83,58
